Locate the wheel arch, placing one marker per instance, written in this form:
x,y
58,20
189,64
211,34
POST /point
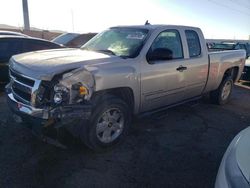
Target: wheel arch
x,y
124,93
233,72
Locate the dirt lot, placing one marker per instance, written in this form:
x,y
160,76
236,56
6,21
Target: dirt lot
x,y
181,147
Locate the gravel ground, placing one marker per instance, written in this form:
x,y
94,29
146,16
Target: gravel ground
x,y
180,147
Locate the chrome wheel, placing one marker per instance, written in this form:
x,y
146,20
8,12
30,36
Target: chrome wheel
x,y
226,90
110,125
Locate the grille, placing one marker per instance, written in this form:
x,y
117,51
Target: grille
x,y
22,79
23,87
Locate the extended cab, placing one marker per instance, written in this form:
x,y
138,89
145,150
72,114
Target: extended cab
x,y
124,71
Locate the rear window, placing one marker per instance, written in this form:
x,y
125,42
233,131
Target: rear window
x,y
224,46
193,43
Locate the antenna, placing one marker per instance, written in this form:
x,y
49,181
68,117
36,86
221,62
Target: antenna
x,y
147,23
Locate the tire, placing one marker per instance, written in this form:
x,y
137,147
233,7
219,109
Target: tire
x,y
222,94
108,125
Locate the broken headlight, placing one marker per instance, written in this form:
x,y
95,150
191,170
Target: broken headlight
x,y
61,94
76,86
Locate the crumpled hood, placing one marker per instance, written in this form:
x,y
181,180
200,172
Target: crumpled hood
x,y
45,64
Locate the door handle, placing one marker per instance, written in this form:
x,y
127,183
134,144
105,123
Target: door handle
x,y
181,68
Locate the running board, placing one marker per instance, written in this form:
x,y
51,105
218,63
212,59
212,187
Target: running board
x,y
144,114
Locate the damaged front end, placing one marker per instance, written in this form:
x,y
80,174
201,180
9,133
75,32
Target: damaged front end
x,y
47,106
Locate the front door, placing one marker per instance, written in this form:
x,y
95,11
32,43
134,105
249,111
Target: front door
x,y
163,81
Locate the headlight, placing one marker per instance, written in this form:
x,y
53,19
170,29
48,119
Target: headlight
x,y
58,98
59,88
61,94
79,92
80,84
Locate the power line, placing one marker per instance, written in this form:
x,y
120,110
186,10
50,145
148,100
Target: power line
x,y
244,5
228,7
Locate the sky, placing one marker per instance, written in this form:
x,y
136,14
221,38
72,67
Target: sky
x,y
219,19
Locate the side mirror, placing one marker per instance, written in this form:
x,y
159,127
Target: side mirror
x,y
160,54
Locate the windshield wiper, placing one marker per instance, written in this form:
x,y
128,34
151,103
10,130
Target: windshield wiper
x,y
105,51
84,48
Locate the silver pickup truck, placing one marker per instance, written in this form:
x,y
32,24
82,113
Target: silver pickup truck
x,y
124,71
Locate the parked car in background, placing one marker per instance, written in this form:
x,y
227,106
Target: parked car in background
x,y
248,48
73,40
11,45
246,71
121,72
234,171
232,46
3,32
210,44
243,46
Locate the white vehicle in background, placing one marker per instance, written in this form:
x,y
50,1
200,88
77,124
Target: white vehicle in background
x,y
234,171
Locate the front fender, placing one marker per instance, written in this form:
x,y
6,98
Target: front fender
x,y
119,77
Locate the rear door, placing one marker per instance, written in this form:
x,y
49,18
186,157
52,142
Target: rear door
x,y
196,62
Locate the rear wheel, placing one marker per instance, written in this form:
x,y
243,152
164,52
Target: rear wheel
x,y
108,125
223,93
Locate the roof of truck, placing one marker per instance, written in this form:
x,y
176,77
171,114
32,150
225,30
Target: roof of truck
x,y
153,27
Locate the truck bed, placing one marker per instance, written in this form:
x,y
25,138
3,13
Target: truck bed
x,y
219,61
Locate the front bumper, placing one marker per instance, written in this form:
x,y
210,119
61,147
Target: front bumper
x,y
22,109
45,121
60,113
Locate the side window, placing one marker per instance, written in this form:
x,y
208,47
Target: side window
x,y
33,45
169,40
49,45
193,43
8,48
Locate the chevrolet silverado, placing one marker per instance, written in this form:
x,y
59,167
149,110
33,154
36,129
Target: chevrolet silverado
x,y
124,71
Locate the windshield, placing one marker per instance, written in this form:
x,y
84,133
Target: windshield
x,y
123,42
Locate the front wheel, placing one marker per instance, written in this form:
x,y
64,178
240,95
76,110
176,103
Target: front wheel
x,y
224,91
108,125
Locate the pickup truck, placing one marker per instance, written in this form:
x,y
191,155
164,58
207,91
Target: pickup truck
x,y
123,72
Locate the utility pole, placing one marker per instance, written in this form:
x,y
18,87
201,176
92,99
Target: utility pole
x,y
26,15
72,20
